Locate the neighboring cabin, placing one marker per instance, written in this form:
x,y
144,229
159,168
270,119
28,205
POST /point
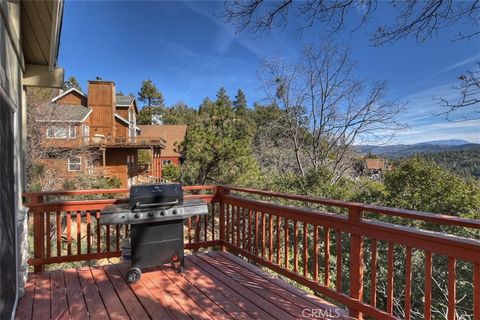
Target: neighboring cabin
x,y
173,135
373,167
94,134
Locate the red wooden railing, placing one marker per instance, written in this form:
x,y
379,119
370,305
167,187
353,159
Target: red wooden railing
x,y
346,257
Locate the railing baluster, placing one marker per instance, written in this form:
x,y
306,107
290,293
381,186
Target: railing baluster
x,y
117,237
263,235
212,207
305,250
48,229
249,239
244,228
69,233
78,219
99,235
315,253
327,256
59,233
390,278
287,244
89,232
408,283
234,224
476,293
278,239
189,229
237,217
428,286
205,227
197,229
108,237
270,237
255,243
373,274
295,246
338,247
452,291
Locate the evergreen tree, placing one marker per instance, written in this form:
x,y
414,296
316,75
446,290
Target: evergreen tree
x,y
214,151
153,103
240,103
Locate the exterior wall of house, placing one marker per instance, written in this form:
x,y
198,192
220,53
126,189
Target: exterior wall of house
x,y
11,162
116,165
101,98
73,98
121,128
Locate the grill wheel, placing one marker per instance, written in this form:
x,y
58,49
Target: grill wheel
x,y
133,274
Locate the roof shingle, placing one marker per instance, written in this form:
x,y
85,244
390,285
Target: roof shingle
x,y
62,113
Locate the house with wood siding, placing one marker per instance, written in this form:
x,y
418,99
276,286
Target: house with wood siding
x,y
94,134
173,135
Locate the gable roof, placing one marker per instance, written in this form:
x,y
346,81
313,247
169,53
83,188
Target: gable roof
x,y
62,113
124,101
172,134
64,93
375,164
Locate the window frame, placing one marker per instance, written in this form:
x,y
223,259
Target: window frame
x,y
79,163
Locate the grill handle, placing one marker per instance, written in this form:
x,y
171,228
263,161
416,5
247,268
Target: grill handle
x,y
149,205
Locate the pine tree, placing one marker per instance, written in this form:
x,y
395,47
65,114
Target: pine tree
x,y
154,104
240,103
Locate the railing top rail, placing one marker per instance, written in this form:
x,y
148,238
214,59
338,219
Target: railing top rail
x,y
103,191
409,214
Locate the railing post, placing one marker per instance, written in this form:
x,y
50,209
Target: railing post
x,y
221,191
38,232
356,262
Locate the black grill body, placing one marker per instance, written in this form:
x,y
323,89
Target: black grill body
x,y
155,213
156,243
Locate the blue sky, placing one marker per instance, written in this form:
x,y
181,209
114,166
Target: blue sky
x,y
190,54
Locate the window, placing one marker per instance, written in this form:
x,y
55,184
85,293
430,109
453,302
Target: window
x,y
74,163
62,132
166,162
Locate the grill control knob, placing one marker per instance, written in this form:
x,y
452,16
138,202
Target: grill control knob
x,y
163,212
136,216
175,211
151,214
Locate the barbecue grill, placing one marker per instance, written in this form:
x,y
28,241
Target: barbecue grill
x,y
155,214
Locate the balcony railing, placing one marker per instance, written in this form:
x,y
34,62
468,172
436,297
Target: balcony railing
x,y
145,142
350,256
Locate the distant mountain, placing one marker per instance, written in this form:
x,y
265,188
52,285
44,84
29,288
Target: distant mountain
x,y
406,150
451,142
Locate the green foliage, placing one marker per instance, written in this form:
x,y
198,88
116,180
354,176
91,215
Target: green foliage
x,y
150,95
144,157
465,162
179,113
421,185
92,182
214,149
171,172
153,103
240,103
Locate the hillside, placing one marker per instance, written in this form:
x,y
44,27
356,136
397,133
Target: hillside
x,y
406,150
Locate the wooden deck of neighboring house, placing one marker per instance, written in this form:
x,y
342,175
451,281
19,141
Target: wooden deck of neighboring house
x,y
216,285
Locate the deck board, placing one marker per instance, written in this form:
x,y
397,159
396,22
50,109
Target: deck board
x,y
213,286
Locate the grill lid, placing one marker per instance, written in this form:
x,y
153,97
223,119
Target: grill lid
x,y
155,195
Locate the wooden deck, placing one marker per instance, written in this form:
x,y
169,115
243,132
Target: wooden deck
x,y
213,286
